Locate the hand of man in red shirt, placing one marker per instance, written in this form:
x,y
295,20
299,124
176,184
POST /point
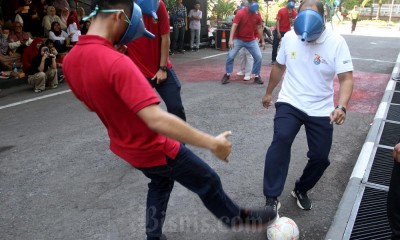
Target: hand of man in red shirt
x,y
223,147
160,76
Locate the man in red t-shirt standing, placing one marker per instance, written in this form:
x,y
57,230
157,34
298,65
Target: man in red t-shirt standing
x,y
284,21
242,36
140,132
152,58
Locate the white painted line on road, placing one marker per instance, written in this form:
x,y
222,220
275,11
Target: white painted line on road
x,y
362,161
34,99
214,55
374,60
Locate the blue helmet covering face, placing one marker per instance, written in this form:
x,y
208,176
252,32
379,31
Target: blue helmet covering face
x,y
149,7
253,7
290,4
309,25
135,29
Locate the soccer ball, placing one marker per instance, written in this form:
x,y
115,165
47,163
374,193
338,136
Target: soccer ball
x,y
283,228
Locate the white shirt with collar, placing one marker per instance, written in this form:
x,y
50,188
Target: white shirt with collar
x,y
310,71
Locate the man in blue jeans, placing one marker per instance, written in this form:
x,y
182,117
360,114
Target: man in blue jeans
x,y
152,58
242,35
140,132
309,58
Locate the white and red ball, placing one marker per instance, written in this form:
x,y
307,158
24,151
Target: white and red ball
x,y
283,228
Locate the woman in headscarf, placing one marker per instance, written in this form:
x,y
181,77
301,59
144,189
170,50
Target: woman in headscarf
x,y
49,19
64,17
81,14
61,38
18,40
31,52
73,27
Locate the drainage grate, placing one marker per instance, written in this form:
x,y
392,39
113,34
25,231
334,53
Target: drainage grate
x,y
397,86
394,113
390,134
382,167
371,221
396,97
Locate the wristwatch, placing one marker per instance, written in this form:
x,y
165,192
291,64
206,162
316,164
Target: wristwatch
x,y
164,68
343,108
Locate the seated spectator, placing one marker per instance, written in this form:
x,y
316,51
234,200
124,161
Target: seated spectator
x,y
85,27
7,58
60,5
41,8
50,44
30,18
18,40
30,53
61,38
43,70
49,19
81,15
64,18
73,27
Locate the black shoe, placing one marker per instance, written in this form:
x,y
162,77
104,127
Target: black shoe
x,y
61,79
256,218
196,49
272,203
192,49
302,200
181,51
225,79
258,80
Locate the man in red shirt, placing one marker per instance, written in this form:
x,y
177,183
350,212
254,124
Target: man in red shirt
x,y
140,132
284,21
242,35
152,58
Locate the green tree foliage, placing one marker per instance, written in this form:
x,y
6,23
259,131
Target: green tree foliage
x,y
221,8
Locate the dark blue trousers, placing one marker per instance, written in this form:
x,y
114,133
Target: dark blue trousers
x,y
170,92
287,123
194,174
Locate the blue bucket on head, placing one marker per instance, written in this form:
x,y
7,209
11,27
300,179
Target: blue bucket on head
x,y
149,7
309,25
136,29
254,7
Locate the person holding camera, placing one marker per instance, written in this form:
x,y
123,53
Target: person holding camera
x,y
43,70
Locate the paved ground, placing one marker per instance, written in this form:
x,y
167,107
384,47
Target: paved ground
x,y
58,180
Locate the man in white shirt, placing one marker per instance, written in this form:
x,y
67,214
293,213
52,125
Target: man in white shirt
x,y
309,58
195,16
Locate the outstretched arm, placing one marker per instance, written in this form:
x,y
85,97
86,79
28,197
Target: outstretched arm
x,y
173,127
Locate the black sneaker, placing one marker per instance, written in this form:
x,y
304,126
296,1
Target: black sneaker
x,y
272,203
258,80
302,200
225,79
258,218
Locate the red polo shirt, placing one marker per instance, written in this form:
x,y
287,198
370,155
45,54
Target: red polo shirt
x,y
283,18
247,21
145,52
111,85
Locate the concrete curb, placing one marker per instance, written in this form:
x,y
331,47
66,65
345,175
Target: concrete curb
x,y
345,215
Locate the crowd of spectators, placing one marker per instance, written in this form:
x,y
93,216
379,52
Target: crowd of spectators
x,y
28,25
